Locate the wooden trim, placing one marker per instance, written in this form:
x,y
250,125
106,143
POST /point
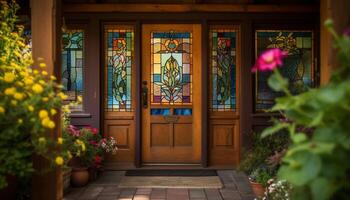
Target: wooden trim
x,y
137,99
204,93
178,8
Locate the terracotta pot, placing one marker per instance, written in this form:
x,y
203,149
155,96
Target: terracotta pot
x,y
10,191
79,177
258,189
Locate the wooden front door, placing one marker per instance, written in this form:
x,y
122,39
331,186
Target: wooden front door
x,y
171,84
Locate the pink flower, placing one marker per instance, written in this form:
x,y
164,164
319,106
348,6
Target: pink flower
x,y
347,32
98,160
269,60
73,130
94,130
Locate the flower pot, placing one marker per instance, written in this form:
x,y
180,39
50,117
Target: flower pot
x,y
66,178
10,191
79,177
257,188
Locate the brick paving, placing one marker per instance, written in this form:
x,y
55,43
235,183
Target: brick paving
x,y
236,187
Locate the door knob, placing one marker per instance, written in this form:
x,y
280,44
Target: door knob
x,y
144,94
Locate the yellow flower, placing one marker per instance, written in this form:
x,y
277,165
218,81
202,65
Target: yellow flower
x,y
14,65
45,122
53,111
83,147
80,99
51,125
43,114
30,108
59,160
14,102
18,96
9,77
69,155
45,99
28,81
44,73
10,91
59,140
20,121
35,71
42,65
53,78
37,88
42,82
2,109
62,96
42,140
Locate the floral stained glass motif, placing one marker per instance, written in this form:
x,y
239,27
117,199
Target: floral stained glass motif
x,y
171,68
72,63
223,70
119,55
298,65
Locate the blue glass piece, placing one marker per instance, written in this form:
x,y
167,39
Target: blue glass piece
x,y
186,78
160,111
156,78
183,111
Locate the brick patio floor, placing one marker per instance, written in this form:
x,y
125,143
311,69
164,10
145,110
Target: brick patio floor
x,y
236,187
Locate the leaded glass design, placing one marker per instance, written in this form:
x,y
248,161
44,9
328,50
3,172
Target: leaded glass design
x,y
298,65
171,68
72,63
223,69
119,55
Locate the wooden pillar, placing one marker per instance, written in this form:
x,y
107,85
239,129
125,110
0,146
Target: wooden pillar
x,y
338,11
46,37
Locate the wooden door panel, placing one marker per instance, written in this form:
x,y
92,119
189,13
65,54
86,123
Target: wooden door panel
x,y
160,135
170,129
183,135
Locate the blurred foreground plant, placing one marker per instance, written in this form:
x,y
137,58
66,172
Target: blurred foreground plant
x,y
315,164
29,102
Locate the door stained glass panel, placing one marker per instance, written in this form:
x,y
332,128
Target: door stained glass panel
x,y
119,55
223,69
171,68
72,63
298,65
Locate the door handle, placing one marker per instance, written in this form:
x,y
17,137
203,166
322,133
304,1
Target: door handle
x,y
144,94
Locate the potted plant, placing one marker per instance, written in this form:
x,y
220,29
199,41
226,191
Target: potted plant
x,y
258,180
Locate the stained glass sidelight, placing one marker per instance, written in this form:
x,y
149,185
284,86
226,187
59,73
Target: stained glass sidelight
x,y
298,65
72,63
119,55
223,69
171,68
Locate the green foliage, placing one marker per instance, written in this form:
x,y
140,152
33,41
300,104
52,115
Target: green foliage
x,y
316,163
29,99
255,160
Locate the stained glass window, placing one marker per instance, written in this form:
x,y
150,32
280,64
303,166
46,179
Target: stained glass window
x,y
298,65
72,63
119,55
223,69
171,68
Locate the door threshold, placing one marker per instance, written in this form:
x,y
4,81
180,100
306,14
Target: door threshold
x,y
170,164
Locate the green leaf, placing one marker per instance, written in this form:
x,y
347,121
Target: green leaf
x,y
320,189
301,168
277,83
273,129
299,138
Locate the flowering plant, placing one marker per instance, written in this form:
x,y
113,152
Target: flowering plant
x,y
29,100
277,190
109,145
316,163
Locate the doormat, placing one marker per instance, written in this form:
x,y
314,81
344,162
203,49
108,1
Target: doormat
x,y
207,182
181,172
